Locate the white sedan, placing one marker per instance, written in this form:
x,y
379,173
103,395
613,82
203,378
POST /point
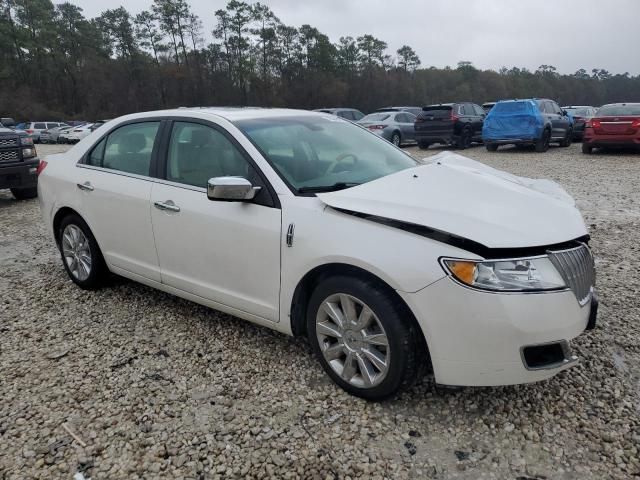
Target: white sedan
x,y
311,225
76,134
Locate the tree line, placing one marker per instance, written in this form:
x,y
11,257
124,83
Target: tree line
x,y
57,64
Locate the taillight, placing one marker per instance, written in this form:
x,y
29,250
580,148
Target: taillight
x,y
41,166
595,123
376,127
636,123
30,131
454,117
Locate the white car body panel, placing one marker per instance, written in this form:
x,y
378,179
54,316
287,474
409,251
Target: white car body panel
x,y
468,200
234,257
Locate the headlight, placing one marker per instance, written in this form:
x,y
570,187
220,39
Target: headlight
x,y
512,275
29,152
26,141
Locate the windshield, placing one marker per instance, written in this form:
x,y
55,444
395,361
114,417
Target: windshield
x,y
619,110
511,107
375,117
315,152
578,112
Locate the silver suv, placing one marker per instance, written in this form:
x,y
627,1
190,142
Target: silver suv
x,y
34,129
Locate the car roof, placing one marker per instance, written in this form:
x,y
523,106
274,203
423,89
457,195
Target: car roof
x,y
231,114
621,104
440,105
336,109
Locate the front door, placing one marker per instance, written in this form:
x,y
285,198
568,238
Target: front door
x,y
226,252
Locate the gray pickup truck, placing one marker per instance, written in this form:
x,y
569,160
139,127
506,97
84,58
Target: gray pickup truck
x,y
18,161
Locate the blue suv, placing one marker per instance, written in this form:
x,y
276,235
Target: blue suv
x,y
533,122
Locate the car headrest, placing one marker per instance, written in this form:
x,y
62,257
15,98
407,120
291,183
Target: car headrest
x,y
200,137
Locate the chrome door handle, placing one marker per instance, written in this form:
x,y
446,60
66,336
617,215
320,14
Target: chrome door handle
x,y
167,206
86,186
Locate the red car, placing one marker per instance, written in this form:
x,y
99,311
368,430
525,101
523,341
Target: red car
x,y
614,125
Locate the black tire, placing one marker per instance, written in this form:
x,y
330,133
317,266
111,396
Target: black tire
x,y
423,145
491,147
566,141
465,139
542,144
406,349
24,193
396,139
586,148
98,272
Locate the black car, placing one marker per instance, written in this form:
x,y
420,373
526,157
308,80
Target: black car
x,y
18,163
580,115
457,124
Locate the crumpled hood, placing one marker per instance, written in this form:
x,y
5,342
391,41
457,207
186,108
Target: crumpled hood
x,y
460,196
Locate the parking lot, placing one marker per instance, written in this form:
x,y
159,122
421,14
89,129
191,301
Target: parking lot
x,y
152,385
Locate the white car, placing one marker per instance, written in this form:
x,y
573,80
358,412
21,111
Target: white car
x,y
78,133
311,225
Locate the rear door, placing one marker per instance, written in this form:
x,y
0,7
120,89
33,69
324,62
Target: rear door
x,y
559,123
406,121
478,121
435,121
115,184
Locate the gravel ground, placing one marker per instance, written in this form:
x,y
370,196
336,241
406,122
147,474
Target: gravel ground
x,y
157,387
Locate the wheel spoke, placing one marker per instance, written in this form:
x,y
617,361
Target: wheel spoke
x,y
376,358
333,352
334,313
349,369
328,330
364,319
376,339
366,370
348,309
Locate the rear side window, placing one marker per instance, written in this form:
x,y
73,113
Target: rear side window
x,y
345,114
39,126
357,115
127,149
437,112
376,117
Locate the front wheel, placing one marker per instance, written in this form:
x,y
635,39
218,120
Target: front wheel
x,y
423,145
367,343
586,148
491,147
24,193
465,140
81,255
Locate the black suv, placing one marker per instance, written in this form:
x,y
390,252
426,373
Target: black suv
x,y
18,162
458,124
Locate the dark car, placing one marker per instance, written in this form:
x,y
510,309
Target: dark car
x,y
457,124
18,163
580,115
346,113
614,125
487,106
530,122
413,110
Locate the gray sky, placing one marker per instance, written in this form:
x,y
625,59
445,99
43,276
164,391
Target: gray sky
x,y
569,34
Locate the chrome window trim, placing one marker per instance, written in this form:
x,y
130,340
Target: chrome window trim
x,y
115,172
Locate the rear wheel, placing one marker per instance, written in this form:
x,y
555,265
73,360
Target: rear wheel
x,y
465,139
395,139
542,144
24,193
566,141
423,145
81,255
364,340
587,148
491,147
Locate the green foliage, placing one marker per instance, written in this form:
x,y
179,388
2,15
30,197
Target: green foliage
x,y
56,63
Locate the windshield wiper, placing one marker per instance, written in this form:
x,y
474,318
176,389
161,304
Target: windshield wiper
x,y
328,188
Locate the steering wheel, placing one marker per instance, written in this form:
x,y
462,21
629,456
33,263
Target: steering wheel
x,y
340,159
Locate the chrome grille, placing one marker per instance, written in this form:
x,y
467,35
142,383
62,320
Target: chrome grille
x,y
9,155
577,269
8,142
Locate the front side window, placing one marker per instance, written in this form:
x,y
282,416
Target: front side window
x,y
127,149
322,154
198,153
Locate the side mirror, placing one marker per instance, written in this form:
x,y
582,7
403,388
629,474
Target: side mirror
x,y
231,189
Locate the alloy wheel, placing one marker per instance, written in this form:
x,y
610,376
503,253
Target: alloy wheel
x,y
352,340
76,252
